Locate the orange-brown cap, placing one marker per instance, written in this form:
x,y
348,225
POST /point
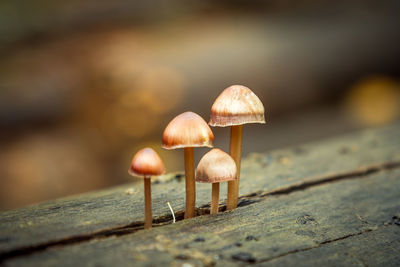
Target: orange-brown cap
x,y
187,130
236,105
216,166
146,162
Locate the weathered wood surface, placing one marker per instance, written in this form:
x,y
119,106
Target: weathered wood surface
x,y
265,232
337,201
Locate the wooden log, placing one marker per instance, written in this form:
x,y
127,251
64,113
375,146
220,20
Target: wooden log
x,y
294,201
374,248
266,231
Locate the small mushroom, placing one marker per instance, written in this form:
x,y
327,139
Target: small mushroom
x,y
214,167
147,163
186,131
235,106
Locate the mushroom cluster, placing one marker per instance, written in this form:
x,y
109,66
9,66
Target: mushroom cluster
x,y
235,106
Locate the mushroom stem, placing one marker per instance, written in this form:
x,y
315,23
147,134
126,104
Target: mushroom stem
x,y
148,220
236,154
190,183
214,198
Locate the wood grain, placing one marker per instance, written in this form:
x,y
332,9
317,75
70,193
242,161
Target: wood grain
x,y
274,231
293,202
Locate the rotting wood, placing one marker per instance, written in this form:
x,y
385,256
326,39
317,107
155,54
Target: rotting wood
x,y
370,248
264,232
117,211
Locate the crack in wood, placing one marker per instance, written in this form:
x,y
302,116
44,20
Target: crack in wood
x,y
203,210
317,245
360,172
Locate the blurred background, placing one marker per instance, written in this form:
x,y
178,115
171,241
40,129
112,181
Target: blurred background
x,y
85,84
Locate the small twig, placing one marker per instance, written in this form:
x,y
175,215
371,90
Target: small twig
x,y
173,214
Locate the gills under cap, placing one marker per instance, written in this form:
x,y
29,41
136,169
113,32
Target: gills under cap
x,y
216,166
236,105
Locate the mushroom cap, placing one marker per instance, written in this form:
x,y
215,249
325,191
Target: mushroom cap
x,y
216,166
236,105
146,162
187,130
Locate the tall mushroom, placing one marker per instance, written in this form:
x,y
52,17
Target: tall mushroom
x,y
147,163
186,131
235,106
214,167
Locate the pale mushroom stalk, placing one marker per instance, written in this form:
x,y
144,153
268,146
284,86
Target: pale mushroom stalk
x,y
190,183
236,154
214,167
145,164
235,106
148,219
188,130
214,198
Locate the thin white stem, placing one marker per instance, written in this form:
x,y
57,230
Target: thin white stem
x,y
172,211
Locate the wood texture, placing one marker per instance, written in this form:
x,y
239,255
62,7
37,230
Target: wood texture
x,y
265,232
335,201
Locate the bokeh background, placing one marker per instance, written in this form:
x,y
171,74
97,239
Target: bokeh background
x,y
85,84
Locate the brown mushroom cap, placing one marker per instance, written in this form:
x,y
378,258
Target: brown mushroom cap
x,y
146,162
187,130
236,105
216,166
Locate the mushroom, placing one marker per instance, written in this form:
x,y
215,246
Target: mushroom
x,y
186,131
235,106
214,167
147,163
